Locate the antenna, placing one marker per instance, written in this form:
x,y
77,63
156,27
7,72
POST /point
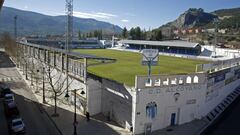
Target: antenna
x,y
69,24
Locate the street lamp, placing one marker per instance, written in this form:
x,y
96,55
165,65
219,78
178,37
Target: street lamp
x,y
36,79
43,71
75,109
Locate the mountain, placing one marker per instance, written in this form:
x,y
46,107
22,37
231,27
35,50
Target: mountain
x,y
191,18
34,23
197,18
229,18
227,12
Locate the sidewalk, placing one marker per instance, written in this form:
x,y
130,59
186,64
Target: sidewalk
x,y
98,125
191,128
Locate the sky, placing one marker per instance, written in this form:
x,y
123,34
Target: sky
x,y
147,14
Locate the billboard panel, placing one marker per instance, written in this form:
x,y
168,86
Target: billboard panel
x,y
150,56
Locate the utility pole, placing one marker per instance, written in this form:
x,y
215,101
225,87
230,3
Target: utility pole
x,y
15,27
15,36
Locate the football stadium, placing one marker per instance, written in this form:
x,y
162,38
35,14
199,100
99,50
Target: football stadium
x,y
180,89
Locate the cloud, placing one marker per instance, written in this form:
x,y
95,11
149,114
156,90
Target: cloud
x,y
94,15
25,7
130,14
124,20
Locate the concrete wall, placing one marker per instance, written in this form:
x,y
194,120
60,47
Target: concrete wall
x,y
117,103
94,95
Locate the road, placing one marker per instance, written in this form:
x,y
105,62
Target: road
x,y
228,124
35,119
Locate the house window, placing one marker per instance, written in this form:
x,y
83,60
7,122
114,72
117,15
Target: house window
x,y
151,110
189,80
157,82
148,83
195,79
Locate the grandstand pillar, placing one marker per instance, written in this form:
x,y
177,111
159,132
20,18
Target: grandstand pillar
x,y
54,59
48,57
44,55
38,53
62,62
85,70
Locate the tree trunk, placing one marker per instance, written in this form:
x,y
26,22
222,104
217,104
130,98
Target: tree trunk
x,y
55,102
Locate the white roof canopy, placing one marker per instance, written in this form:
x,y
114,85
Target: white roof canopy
x,y
173,43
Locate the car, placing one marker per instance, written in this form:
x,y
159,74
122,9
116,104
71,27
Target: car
x,y
8,98
17,126
4,89
11,110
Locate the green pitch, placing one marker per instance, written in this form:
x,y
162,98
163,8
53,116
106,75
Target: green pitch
x,y
128,65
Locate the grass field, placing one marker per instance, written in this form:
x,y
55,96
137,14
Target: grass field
x,y
128,65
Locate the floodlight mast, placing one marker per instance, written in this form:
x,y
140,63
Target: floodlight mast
x,y
68,34
69,24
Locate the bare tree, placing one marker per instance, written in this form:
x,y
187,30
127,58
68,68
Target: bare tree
x,y
9,44
57,82
56,79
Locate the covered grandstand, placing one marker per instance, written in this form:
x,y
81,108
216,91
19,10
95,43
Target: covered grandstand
x,y
177,47
76,44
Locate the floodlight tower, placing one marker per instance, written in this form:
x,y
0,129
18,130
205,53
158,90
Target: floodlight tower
x,y
69,35
69,24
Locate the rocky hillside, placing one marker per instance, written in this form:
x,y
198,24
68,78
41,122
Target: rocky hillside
x,y
227,12
192,18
